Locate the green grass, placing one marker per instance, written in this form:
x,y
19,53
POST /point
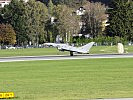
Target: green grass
x,y
54,51
30,52
68,79
103,49
109,49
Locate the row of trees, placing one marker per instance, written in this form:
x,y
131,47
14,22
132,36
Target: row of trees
x,y
27,19
32,21
70,3
121,19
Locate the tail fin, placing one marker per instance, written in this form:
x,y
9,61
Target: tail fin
x,y
86,47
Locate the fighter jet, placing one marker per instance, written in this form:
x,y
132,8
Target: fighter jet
x,y
65,47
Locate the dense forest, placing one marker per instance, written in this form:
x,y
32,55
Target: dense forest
x,y
37,22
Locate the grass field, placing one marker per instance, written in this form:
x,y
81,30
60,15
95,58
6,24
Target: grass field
x,y
68,79
31,52
54,51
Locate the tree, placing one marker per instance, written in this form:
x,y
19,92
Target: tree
x,y
28,20
14,15
67,23
36,16
69,3
47,1
50,26
93,18
7,34
73,3
50,7
120,19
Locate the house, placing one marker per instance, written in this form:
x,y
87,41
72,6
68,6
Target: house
x,y
6,2
105,22
80,11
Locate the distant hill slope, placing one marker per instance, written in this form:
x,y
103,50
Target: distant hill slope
x,y
103,1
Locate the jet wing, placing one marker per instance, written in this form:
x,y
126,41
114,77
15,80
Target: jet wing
x,y
66,47
52,44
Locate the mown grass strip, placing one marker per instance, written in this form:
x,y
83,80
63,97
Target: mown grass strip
x,y
68,79
54,51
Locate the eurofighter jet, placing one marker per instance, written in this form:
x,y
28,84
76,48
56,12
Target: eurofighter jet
x,y
65,47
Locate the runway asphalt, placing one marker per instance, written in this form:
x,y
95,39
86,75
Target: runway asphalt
x,y
64,57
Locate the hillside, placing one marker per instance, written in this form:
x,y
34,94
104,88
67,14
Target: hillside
x,y
103,1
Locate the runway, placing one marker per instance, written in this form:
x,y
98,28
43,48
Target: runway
x,y
64,57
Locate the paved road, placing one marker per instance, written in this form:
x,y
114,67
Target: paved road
x,y
63,57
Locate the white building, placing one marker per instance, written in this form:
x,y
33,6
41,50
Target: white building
x,y
6,2
80,11
25,0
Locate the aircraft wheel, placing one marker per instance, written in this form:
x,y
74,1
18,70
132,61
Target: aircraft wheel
x,y
71,53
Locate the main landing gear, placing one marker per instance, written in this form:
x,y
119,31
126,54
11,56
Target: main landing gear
x,y
71,53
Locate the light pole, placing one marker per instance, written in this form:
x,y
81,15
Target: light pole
x,y
66,37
